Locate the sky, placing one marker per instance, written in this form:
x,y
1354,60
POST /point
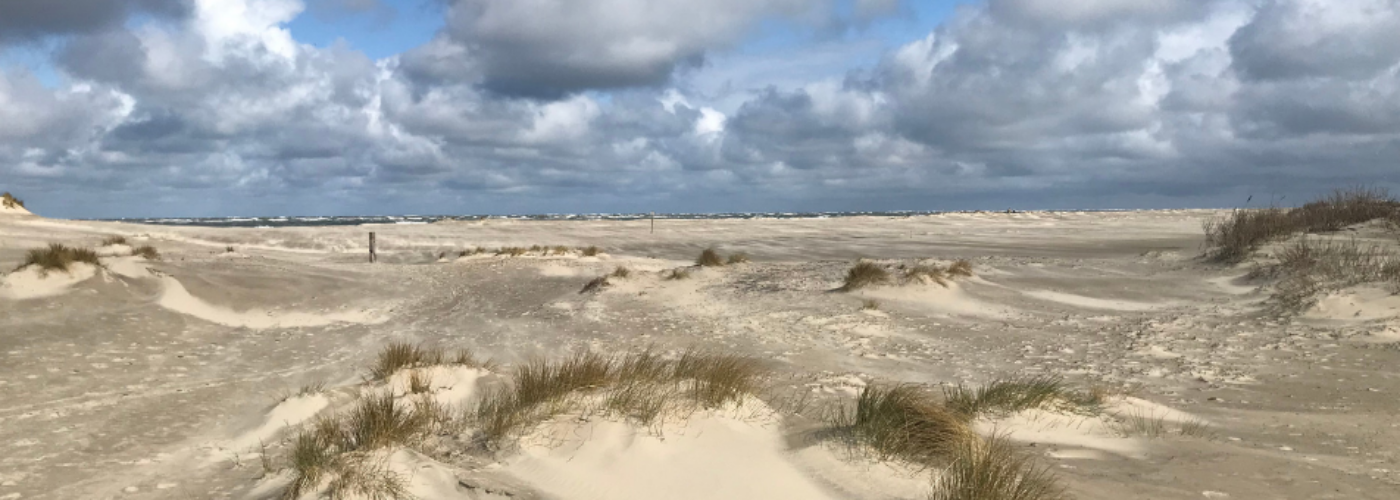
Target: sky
x,y
179,108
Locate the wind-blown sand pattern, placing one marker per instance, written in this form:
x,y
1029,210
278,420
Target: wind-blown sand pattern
x,y
167,379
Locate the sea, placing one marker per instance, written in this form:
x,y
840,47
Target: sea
x,y
285,221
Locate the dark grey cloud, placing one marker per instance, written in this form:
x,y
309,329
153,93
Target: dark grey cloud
x,y
22,20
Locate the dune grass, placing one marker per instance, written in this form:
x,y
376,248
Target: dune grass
x,y
737,258
146,251
402,355
1006,395
962,268
640,386
927,274
865,274
560,250
903,423
1233,238
621,272
57,257
1311,267
113,240
340,448
992,469
10,201
679,273
709,258
590,251
511,251
870,305
595,285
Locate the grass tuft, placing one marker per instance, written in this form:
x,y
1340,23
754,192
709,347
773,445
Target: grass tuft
x,y
870,305
927,274
1004,396
399,355
621,272
992,469
9,201
146,251
113,240
865,274
1309,268
58,257
709,258
737,258
590,251
419,382
679,273
962,268
595,285
380,421
904,423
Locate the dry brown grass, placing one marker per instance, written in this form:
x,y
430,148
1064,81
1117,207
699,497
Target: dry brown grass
x,y
113,240
590,251
1234,238
146,251
595,285
870,305
403,355
927,274
511,251
560,250
865,274
679,273
621,273
992,469
962,268
57,257
737,258
1310,267
709,258
9,201
640,386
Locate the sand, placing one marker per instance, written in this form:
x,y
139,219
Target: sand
x,y
164,379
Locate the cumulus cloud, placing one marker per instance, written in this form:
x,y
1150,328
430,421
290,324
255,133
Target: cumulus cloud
x,y
582,107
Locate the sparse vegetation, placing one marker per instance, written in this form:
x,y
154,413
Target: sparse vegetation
x,y
962,268
865,274
1310,267
640,386
590,251
1233,238
737,258
679,273
561,250
709,258
992,469
927,274
401,355
870,305
146,251
621,272
595,285
1007,395
419,382
9,201
113,240
228,249
511,251
57,257
904,423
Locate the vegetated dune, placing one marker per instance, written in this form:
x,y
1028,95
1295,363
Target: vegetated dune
x,y
1093,353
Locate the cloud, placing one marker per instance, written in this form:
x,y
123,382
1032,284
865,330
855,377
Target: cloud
x,y
29,20
1010,104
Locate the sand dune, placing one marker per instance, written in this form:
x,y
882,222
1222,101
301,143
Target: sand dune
x,y
164,379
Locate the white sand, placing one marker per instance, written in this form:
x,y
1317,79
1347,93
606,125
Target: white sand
x,y
175,298
33,283
1092,302
713,456
1363,303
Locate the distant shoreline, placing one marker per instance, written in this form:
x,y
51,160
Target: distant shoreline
x,y
355,220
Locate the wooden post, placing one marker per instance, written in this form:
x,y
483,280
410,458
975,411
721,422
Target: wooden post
x,y
372,257
653,223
